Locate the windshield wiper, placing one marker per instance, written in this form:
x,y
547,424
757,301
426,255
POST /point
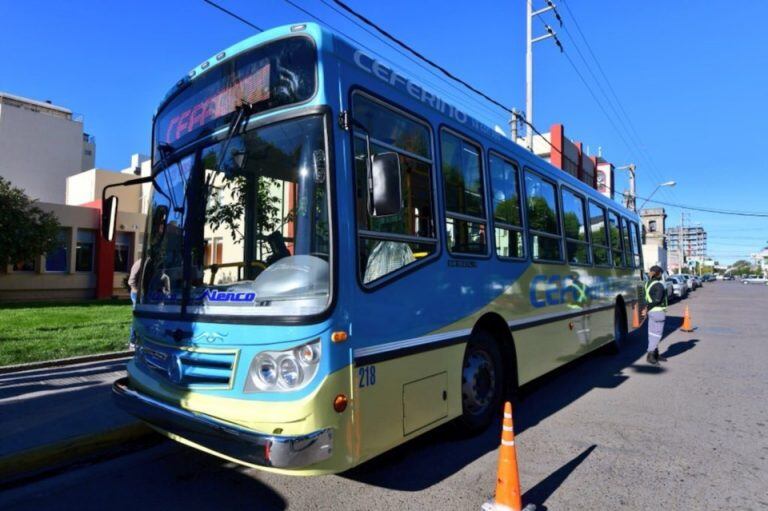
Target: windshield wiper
x,y
242,112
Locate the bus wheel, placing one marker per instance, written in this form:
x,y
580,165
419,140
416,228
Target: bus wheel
x,y
482,383
620,332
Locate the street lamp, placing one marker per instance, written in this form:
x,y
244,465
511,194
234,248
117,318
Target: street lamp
x,y
667,183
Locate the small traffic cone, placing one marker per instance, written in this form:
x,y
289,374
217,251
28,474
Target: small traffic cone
x,y
687,327
507,480
635,316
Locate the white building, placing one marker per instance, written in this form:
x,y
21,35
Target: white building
x,y
40,145
654,239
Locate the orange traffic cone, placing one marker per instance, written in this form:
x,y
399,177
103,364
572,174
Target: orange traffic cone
x,y
635,316
507,481
687,327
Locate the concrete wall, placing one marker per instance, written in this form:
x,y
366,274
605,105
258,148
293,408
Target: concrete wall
x,y
85,188
40,145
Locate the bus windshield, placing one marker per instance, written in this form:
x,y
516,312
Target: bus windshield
x,y
242,227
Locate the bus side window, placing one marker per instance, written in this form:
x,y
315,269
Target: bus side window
x,y
600,243
575,227
615,235
389,243
464,192
543,223
507,214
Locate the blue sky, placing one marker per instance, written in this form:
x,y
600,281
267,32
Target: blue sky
x,y
691,76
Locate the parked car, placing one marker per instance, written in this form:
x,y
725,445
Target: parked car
x,y
679,286
689,281
697,281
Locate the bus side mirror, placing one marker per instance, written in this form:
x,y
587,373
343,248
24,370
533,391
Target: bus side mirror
x,y
386,193
109,217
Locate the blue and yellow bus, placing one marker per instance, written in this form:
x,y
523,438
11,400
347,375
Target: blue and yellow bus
x,y
337,260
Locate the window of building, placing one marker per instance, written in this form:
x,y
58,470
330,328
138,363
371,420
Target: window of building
x,y
575,228
123,252
543,224
599,235
388,244
652,226
463,189
58,258
507,212
84,251
614,230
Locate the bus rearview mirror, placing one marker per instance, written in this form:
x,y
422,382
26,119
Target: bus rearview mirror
x,y
109,217
386,194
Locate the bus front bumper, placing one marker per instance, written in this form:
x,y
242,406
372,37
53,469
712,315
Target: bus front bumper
x,y
287,452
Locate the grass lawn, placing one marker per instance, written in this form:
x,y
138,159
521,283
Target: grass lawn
x,y
30,332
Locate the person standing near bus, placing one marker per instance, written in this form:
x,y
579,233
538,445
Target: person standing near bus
x,y
133,283
656,301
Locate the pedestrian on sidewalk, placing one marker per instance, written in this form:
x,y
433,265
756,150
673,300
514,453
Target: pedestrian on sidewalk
x,y
133,283
656,301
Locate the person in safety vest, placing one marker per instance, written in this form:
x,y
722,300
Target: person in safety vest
x,y
656,303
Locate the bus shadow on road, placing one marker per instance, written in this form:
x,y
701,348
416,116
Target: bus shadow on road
x,y
429,459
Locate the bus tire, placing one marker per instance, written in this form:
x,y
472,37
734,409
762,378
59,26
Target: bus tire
x,y
620,331
482,383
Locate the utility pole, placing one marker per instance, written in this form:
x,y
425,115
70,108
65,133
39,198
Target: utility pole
x,y
629,200
530,40
529,75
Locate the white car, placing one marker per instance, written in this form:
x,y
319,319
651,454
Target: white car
x,y
679,286
755,280
688,281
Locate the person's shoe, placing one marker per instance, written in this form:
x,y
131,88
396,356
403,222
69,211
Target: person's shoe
x,y
651,358
659,357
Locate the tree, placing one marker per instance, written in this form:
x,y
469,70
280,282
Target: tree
x,y
26,231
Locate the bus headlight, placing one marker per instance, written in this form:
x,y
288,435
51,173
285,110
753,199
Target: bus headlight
x,y
282,371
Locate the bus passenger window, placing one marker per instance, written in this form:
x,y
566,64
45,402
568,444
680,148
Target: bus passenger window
x,y
508,224
574,225
600,244
464,199
389,243
615,234
628,245
544,227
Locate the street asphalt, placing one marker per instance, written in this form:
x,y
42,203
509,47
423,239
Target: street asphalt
x,y
606,433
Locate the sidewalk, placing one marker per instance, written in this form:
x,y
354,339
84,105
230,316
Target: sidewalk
x,y
54,416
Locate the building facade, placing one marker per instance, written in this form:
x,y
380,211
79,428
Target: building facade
x,y
655,238
40,145
569,156
83,265
690,242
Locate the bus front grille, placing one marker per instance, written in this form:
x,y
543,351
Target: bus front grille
x,y
189,368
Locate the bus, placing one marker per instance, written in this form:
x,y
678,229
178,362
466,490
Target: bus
x,y
337,260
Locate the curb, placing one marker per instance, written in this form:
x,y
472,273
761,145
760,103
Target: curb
x,y
65,361
56,456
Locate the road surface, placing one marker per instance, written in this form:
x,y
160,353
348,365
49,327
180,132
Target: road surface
x,y
608,433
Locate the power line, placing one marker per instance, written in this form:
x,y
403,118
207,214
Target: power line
x,y
419,55
222,9
359,43
409,57
641,144
758,214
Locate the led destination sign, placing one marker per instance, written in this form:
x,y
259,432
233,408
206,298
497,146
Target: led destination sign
x,y
215,101
276,74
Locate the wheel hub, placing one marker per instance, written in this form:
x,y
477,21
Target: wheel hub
x,y
478,382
